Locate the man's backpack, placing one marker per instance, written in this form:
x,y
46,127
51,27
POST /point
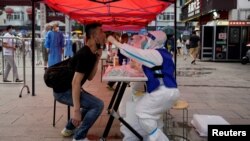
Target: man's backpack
x,y
59,76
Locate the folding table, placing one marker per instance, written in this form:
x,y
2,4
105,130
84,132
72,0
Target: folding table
x,y
116,99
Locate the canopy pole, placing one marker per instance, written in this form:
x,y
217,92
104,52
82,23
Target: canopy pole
x,y
33,47
175,37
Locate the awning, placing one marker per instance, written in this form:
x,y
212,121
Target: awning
x,y
9,10
29,10
111,12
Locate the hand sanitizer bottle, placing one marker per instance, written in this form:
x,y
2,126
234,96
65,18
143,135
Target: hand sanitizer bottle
x,y
123,67
115,61
124,62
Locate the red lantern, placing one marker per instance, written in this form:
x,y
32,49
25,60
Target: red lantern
x,y
9,11
29,10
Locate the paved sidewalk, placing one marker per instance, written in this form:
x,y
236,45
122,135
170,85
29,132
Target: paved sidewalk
x,y
209,87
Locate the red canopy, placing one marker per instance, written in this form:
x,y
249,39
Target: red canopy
x,y
135,28
132,13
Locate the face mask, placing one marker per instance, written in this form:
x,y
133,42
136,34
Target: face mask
x,y
145,44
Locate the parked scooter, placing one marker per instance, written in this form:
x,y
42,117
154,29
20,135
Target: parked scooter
x,y
246,59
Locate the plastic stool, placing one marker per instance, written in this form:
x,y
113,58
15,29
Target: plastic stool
x,y
54,113
180,105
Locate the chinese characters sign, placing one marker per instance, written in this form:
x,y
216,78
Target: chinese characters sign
x,y
194,8
191,9
52,15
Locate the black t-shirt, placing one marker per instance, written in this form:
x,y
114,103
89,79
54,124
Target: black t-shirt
x,y
194,39
83,62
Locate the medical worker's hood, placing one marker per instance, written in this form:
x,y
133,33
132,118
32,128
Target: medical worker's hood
x,y
156,39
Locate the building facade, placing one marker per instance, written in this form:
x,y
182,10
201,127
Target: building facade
x,y
242,12
18,16
224,27
165,20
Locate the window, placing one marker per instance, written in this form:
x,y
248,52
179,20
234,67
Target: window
x,y
14,16
160,17
168,16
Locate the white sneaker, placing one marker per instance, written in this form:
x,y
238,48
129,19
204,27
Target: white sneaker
x,y
85,139
67,133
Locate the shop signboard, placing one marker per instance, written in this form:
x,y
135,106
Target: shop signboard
x,y
239,23
208,6
222,36
194,8
52,15
190,10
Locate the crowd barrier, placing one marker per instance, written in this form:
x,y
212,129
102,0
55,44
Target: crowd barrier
x,y
23,56
18,53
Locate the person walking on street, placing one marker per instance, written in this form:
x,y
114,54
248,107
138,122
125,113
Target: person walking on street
x,y
194,46
44,50
86,107
8,52
179,46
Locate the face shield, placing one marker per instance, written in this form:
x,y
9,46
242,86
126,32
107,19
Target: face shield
x,y
155,39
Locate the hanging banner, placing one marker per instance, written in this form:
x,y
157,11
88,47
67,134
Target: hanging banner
x,y
42,17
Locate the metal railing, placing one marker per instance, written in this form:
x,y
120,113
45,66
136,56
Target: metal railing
x,y
22,55
16,53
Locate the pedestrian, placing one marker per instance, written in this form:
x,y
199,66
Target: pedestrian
x,y
179,45
44,50
74,43
184,50
38,50
170,44
68,46
194,46
86,107
8,52
54,42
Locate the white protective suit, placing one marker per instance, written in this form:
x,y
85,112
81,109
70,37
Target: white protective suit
x,y
146,117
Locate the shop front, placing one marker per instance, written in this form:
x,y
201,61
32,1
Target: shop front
x,y
216,31
225,40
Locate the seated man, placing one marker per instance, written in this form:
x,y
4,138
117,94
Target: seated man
x,y
161,87
85,64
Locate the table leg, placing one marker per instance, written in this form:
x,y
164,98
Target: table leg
x,y
114,96
116,103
